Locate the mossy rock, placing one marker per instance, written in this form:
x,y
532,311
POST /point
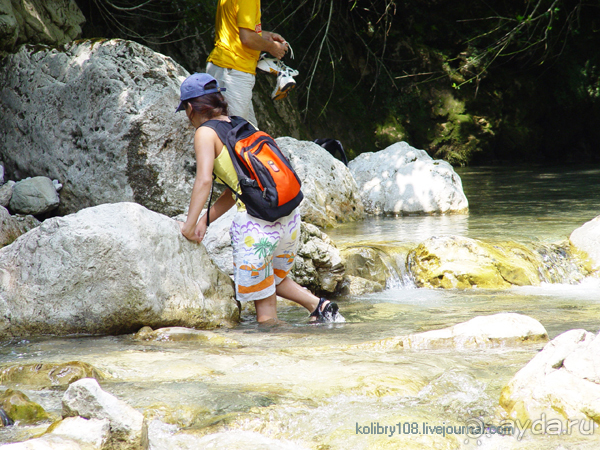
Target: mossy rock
x,y
19,408
48,374
457,262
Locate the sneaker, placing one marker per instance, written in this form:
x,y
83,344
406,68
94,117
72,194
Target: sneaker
x,y
274,66
283,86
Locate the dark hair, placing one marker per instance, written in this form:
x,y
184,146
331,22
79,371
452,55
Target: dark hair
x,y
209,105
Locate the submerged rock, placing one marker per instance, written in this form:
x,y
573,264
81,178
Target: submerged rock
x,y
561,382
110,269
110,106
460,262
504,329
331,195
587,239
182,334
402,179
20,409
11,227
128,429
47,374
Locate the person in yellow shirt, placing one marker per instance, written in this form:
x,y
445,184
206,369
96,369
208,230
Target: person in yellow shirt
x,y
239,41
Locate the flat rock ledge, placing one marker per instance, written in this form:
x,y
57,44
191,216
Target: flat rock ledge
x,y
497,330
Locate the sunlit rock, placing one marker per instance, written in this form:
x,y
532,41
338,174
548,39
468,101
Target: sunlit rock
x,y
110,107
587,239
20,409
460,262
90,433
330,192
110,269
504,329
35,195
49,442
52,22
128,429
11,227
562,382
402,179
182,334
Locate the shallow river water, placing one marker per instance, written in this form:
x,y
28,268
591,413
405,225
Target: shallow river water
x,y
301,386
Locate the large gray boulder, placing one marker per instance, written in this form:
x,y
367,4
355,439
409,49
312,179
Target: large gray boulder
x,y
330,192
110,269
561,382
402,179
51,22
586,239
100,117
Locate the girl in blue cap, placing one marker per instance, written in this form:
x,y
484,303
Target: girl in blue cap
x,y
263,251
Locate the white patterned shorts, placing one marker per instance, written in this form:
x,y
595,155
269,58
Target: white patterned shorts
x,y
263,253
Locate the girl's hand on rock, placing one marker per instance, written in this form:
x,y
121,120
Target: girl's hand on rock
x,y
190,233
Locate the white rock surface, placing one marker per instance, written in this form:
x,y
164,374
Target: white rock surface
x,y
128,429
110,269
402,179
561,382
99,116
330,192
587,239
94,433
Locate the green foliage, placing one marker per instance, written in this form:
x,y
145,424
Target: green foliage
x,y
372,71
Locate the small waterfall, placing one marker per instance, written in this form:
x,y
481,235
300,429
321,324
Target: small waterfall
x,y
559,265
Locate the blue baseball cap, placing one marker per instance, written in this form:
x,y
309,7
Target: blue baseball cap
x,y
193,87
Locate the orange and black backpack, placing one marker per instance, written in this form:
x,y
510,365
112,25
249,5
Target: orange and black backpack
x,y
270,188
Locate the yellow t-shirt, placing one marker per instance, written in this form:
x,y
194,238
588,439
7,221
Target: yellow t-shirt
x,y
224,170
229,52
